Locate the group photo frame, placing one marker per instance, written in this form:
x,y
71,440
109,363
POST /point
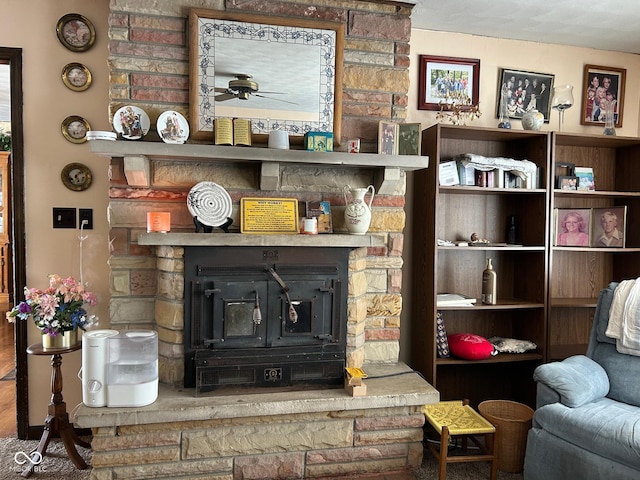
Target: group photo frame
x,y
524,91
602,86
447,80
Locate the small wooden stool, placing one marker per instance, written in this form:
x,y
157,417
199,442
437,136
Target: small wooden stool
x,y
457,418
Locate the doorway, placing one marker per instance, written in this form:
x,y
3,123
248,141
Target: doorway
x,y
11,58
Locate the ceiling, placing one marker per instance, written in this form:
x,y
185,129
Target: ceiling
x,y
605,24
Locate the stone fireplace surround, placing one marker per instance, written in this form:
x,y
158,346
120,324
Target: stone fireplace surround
x,y
306,434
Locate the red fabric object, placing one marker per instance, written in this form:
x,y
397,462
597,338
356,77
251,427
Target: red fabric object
x,y
469,346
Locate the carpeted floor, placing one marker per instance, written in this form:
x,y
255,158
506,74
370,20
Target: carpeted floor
x,y
56,465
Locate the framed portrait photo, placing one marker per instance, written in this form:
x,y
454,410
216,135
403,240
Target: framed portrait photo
x,y
609,226
567,182
387,138
409,139
573,227
602,85
447,80
524,91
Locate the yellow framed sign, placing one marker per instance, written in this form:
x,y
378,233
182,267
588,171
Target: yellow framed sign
x,y
269,215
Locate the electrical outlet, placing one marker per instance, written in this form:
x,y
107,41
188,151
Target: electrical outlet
x,y
85,214
64,217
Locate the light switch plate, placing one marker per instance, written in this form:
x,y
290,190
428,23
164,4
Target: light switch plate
x,y
64,217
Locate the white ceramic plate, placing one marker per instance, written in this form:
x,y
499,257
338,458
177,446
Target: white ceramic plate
x,y
131,122
172,127
210,203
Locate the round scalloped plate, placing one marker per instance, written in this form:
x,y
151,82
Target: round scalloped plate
x,y
209,203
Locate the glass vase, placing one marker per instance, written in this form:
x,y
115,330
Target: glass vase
x,y
562,99
63,340
609,119
503,114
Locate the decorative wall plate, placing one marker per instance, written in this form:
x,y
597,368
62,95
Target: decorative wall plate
x,y
76,176
172,127
210,203
76,77
132,123
76,32
75,128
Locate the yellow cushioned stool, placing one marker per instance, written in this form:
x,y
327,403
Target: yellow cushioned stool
x,y
457,418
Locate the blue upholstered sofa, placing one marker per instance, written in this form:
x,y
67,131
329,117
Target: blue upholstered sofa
x,y
587,420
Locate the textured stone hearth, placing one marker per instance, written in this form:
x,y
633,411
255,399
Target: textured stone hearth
x,y
302,434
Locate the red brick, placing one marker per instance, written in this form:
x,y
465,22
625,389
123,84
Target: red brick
x,y
287,9
162,81
118,20
391,422
390,27
157,37
148,51
396,244
382,334
160,95
158,23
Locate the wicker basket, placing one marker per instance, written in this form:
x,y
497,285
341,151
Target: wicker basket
x,y
513,421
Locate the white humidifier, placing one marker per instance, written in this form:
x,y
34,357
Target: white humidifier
x,y
95,350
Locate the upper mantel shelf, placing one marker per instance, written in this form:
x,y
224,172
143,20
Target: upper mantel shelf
x,y
159,150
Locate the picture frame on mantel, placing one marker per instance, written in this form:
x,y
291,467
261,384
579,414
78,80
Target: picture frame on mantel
x,y
447,80
602,82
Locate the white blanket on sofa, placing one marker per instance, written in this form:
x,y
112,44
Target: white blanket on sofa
x,y
624,317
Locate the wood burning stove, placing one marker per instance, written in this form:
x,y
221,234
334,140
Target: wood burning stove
x,y
265,317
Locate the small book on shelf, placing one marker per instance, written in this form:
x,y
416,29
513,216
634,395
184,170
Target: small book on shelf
x,y
232,131
454,300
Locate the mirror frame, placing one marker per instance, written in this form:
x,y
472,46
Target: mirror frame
x,y
201,97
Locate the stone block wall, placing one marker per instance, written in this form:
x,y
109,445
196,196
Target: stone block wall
x,y
338,444
149,68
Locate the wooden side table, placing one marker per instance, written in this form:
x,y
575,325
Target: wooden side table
x,y
57,420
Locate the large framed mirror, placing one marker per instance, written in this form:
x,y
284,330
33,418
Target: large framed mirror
x,y
281,73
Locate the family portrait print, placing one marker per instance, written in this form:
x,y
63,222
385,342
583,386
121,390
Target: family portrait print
x,y
524,91
572,227
603,94
448,80
609,227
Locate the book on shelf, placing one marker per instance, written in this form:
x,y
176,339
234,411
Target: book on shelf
x,y
454,300
232,131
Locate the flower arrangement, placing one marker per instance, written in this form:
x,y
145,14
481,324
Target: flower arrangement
x,y
58,309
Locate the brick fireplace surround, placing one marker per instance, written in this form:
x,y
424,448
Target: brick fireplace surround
x,y
272,435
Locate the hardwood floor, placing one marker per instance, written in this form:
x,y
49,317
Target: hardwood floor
x,y
7,387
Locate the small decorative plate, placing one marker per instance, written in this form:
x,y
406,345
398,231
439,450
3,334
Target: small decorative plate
x,y
209,203
76,176
132,123
75,128
76,32
172,127
76,77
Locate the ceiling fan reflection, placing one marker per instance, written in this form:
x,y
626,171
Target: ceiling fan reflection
x,y
244,87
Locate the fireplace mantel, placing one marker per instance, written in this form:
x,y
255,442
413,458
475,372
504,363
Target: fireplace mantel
x,y
251,240
138,156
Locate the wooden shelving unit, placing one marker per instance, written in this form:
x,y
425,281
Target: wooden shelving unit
x,y
578,274
546,293
454,213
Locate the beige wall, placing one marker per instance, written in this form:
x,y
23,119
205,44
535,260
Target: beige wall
x,y
31,26
566,63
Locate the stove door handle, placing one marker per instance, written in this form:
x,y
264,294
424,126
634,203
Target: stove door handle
x,y
210,291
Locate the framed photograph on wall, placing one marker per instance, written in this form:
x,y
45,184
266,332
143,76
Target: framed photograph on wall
x,y
609,227
572,227
447,80
387,138
602,83
525,91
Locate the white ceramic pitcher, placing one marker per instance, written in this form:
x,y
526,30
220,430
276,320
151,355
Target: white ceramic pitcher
x,y
357,215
